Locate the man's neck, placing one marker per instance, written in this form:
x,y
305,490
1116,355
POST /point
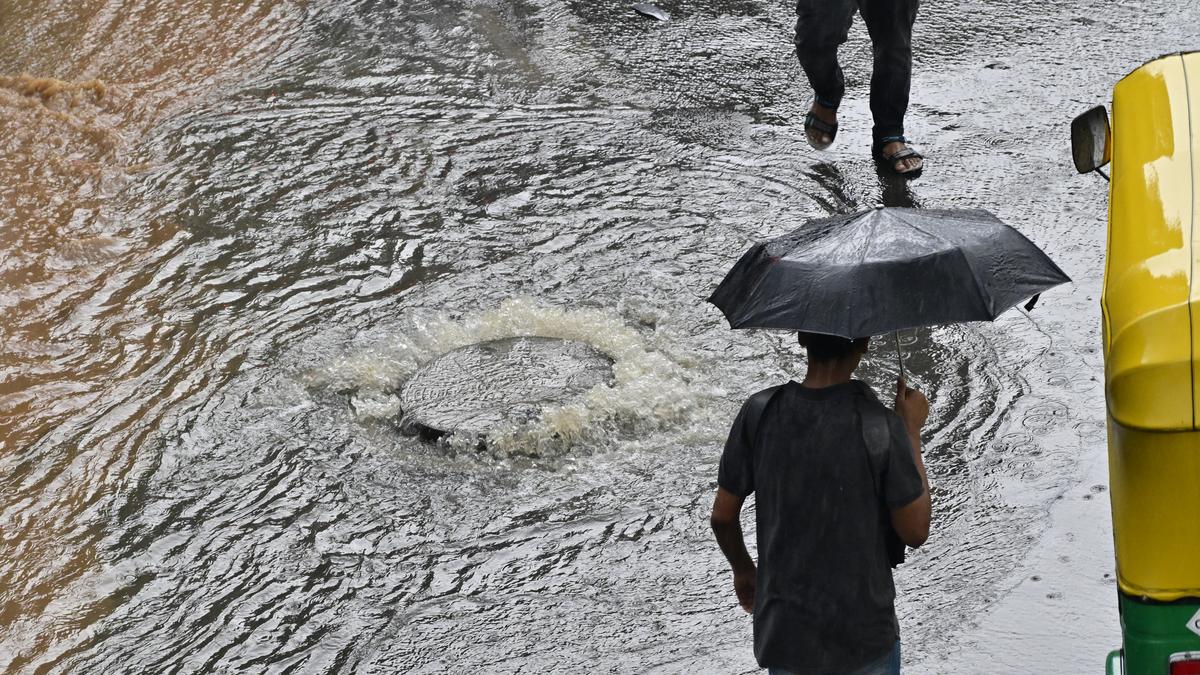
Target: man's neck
x,y
828,373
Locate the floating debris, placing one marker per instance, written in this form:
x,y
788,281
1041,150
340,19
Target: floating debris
x,y
647,9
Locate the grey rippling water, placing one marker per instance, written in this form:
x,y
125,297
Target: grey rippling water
x,y
203,503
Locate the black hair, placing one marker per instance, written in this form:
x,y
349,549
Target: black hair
x,y
825,347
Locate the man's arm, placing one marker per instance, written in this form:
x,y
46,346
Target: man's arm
x,y
727,525
911,521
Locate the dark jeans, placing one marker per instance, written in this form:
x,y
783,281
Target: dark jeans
x,y
888,664
822,25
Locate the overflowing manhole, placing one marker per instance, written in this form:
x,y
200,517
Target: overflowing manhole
x,y
475,389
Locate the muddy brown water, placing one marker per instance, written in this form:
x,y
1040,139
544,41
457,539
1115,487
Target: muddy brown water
x,y
228,230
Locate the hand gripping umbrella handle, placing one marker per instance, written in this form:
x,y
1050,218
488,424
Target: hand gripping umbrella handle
x,y
899,352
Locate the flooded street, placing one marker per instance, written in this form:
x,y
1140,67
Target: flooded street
x,y
229,234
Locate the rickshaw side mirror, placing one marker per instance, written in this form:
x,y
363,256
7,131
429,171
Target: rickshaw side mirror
x,y
1091,140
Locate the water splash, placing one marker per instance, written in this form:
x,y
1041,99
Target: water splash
x,y
650,389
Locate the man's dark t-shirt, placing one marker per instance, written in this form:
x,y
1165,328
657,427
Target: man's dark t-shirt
x,y
823,601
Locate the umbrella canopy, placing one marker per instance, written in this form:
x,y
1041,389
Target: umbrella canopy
x,y
885,269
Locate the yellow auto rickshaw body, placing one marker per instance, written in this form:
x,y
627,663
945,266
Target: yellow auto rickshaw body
x,y
1151,310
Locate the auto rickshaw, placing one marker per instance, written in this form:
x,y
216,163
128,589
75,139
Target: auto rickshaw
x,y
1151,316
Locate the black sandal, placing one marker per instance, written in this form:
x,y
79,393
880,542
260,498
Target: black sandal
x,y
901,154
811,121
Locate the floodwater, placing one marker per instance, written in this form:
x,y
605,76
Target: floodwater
x,y
231,230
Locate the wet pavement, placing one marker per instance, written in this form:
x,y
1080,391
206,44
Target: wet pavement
x,y
201,464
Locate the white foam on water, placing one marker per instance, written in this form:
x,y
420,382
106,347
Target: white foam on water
x,y
650,390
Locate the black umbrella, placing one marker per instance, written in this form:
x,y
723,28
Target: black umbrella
x,y
885,269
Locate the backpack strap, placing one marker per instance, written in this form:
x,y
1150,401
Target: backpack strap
x,y
756,406
877,440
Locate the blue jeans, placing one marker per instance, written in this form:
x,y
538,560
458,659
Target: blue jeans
x,y
888,664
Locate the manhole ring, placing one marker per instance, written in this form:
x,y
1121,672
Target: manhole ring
x,y
475,389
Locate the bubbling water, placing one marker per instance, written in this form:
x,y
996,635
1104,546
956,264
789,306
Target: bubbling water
x,y
650,390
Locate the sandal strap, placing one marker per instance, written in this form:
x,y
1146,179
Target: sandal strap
x,y
826,104
814,122
903,153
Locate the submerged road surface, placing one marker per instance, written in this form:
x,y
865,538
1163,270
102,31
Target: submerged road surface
x,y
229,234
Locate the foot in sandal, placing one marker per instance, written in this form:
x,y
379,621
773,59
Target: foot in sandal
x,y
820,125
894,152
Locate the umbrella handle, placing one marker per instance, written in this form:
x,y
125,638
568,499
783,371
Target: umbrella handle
x,y
899,352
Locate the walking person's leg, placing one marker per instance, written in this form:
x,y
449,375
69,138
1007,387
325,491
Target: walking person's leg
x,y
890,24
822,26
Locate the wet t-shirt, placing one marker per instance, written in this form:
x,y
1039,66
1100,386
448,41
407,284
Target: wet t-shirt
x,y
824,595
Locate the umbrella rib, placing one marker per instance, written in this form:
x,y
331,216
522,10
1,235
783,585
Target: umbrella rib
x,y
762,247
862,260
984,298
874,228
923,231
966,261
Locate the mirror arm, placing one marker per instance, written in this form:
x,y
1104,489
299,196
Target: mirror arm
x,y
1103,174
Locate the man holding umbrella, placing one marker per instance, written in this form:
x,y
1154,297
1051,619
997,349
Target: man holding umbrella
x,y
822,594
839,479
